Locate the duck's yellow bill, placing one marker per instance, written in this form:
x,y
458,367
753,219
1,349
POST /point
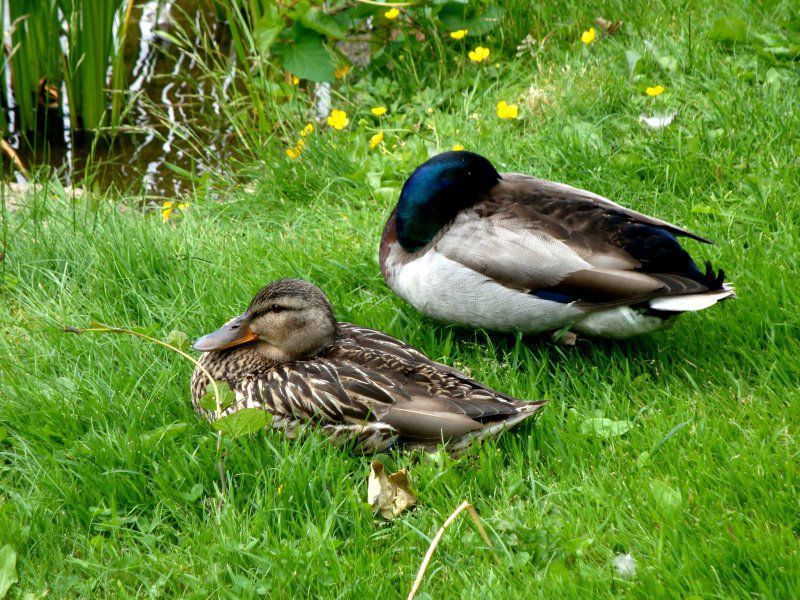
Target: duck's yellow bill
x,y
234,332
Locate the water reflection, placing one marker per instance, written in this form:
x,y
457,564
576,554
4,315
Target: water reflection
x,y
136,160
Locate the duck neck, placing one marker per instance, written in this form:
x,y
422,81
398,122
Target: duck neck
x,y
237,363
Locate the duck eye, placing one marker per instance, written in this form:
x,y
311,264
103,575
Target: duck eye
x,y
276,308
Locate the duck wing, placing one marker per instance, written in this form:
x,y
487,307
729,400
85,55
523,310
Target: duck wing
x,y
569,245
394,384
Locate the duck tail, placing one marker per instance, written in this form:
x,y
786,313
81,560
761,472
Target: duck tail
x,y
493,428
713,281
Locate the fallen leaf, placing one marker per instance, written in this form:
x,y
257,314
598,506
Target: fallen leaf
x,y
8,569
390,495
610,27
658,121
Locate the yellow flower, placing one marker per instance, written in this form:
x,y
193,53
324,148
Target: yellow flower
x,y
281,487
587,37
378,111
294,152
376,139
479,54
307,130
392,13
166,211
338,119
295,80
654,91
459,34
507,111
458,148
341,72
183,206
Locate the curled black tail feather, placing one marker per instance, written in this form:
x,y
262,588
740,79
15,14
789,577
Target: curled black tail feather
x,y
713,281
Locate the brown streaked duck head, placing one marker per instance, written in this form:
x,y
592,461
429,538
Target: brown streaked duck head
x,y
290,319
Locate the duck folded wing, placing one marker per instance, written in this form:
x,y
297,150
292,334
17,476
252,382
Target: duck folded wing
x,y
553,197
333,390
571,248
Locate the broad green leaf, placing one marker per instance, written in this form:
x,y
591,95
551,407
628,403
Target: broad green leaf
x,y
557,571
668,63
265,32
667,497
578,545
307,58
8,569
321,23
632,57
226,397
605,428
728,30
193,494
242,422
489,20
453,15
179,339
162,434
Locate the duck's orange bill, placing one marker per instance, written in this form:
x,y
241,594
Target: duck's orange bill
x,y
234,332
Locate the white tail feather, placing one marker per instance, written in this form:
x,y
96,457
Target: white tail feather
x,y
691,302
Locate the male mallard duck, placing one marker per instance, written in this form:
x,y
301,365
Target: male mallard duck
x,y
510,252
289,356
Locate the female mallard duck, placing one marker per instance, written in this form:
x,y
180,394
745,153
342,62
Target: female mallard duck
x,y
289,356
510,252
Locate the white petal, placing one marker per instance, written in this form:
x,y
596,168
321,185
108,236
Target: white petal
x,y
658,121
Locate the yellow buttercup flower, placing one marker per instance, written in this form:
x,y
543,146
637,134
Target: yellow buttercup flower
x,y
169,207
376,139
378,111
507,111
341,72
166,211
479,54
458,148
295,80
459,34
392,13
587,37
307,130
338,119
654,91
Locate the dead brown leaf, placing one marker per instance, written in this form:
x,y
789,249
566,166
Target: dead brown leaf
x,y
610,27
390,495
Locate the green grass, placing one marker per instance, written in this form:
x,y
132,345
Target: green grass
x,y
108,482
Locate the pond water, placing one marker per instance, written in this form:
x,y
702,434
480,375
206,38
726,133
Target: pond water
x,y
165,91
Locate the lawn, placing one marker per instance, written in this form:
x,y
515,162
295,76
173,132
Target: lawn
x,y
680,448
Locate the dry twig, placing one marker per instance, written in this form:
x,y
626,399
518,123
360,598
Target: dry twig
x,y
435,542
